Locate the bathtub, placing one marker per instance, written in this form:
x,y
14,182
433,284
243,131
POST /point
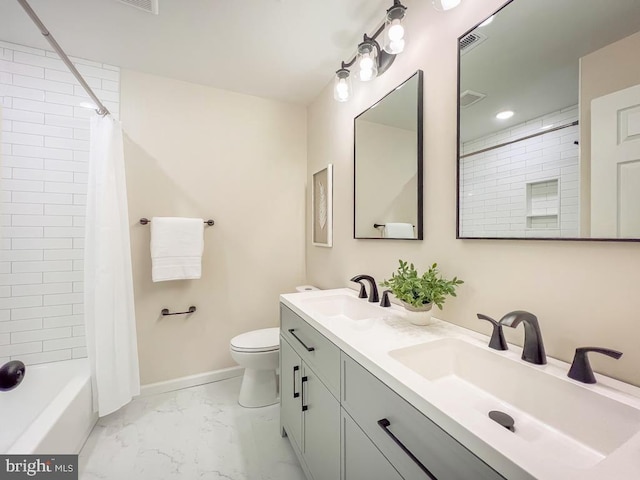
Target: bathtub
x,y
50,411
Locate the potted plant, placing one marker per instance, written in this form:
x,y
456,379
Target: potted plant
x,y
418,293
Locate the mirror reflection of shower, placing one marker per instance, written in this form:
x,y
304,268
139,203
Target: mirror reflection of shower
x,y
535,154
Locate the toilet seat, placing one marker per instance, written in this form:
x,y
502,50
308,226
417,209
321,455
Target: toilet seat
x,y
263,340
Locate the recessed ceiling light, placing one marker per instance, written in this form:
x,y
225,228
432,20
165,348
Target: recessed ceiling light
x,y
504,115
487,21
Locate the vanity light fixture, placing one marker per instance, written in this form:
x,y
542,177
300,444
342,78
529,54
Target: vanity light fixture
x,y
371,60
394,30
368,59
506,114
342,85
444,5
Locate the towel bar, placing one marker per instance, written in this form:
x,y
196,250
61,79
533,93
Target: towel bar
x,y
165,311
378,225
145,221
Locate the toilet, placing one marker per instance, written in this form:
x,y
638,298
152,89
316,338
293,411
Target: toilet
x,y
258,352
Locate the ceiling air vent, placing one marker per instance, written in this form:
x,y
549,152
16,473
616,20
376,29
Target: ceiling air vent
x,y
469,97
471,41
150,6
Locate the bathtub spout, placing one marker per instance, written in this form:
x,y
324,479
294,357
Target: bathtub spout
x,y
11,374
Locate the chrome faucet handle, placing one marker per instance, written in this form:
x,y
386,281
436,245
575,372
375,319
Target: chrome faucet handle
x,y
385,299
497,341
581,368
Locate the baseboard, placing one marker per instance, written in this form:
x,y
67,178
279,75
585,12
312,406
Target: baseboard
x,y
190,381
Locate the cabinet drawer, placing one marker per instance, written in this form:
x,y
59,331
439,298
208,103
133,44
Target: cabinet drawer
x,y
407,432
360,458
318,352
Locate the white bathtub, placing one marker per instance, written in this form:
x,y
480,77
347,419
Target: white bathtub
x,y
50,411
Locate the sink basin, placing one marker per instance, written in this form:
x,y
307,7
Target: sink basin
x,y
574,424
343,305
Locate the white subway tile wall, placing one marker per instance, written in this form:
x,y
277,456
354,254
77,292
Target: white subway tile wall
x,y
494,184
45,154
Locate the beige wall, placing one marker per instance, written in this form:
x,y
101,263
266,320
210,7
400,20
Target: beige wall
x,y
604,71
196,151
583,293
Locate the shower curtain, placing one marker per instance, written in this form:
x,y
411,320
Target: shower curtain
x,y
109,308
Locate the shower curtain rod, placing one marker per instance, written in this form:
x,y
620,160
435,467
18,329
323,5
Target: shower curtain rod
x,y
101,110
537,134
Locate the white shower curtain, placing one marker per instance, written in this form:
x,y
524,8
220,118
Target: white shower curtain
x,y
109,308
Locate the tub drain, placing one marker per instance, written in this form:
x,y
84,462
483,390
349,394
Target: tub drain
x,y
503,419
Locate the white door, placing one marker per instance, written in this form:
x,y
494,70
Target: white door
x,y
615,164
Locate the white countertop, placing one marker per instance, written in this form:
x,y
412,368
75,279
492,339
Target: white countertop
x,y
369,341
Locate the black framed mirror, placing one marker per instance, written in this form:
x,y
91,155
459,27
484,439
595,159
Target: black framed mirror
x,y
388,152
549,122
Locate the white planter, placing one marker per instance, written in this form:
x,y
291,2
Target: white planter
x,y
418,315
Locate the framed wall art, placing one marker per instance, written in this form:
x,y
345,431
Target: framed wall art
x,y
322,207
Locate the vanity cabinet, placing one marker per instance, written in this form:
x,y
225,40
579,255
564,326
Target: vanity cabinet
x,y
309,391
345,424
415,446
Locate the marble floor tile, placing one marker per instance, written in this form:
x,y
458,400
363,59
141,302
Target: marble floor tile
x,y
195,433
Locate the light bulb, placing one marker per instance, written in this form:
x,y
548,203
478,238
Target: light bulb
x,y
396,46
342,85
396,31
342,89
368,59
366,74
366,62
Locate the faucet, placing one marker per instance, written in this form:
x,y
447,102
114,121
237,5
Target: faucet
x,y
533,350
581,368
373,289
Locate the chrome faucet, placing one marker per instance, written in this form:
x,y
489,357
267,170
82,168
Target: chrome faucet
x,y
373,289
533,350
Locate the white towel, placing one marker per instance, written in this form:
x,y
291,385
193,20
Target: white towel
x,y
398,230
176,248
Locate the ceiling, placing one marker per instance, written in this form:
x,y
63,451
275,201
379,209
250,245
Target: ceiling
x,y
281,49
528,62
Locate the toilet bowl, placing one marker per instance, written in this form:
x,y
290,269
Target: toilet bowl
x,y
258,352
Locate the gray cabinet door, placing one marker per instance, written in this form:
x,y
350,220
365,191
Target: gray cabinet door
x,y
361,460
321,427
290,396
